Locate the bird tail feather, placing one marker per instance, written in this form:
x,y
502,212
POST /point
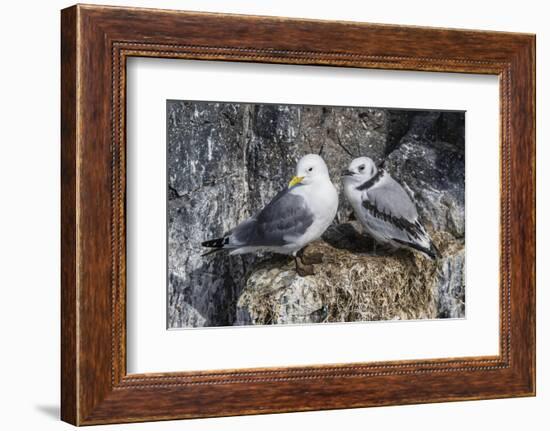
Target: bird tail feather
x,y
217,244
432,252
209,252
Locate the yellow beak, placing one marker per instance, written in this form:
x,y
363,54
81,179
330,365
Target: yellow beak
x,y
294,181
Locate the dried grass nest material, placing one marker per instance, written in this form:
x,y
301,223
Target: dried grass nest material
x,y
350,286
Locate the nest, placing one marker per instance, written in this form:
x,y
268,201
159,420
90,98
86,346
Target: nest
x,y
349,286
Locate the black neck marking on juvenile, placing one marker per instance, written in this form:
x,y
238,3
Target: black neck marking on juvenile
x,y
369,183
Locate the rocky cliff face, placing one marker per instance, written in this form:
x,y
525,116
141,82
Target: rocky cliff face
x,y
227,160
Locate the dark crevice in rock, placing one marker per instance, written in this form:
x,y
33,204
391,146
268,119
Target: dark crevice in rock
x,y
172,193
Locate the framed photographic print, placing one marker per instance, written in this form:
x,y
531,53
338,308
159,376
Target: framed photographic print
x,y
265,215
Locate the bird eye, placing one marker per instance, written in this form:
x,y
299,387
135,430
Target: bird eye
x,y
362,167
310,169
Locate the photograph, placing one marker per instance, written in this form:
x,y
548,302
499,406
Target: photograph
x,y
306,214
275,215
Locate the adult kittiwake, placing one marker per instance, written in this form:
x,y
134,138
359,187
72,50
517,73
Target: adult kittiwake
x,y
384,208
298,215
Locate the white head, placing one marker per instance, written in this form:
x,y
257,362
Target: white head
x,y
310,168
359,170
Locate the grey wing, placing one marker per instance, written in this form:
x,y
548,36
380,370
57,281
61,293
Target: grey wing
x,y
391,198
393,213
285,217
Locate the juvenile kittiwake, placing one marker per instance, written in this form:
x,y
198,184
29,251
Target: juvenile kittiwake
x,y
384,208
298,215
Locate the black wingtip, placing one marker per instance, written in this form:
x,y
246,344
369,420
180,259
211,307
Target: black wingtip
x,y
214,243
209,252
432,252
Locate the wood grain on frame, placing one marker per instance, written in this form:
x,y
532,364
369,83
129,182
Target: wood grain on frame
x,y
95,42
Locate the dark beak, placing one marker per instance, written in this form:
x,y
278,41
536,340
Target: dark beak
x,y
347,173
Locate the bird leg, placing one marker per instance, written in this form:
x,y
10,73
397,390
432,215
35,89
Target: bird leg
x,y
301,268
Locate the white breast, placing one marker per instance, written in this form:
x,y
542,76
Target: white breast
x,y
355,198
322,201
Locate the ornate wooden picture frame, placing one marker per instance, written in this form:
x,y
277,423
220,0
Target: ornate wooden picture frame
x,y
96,41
